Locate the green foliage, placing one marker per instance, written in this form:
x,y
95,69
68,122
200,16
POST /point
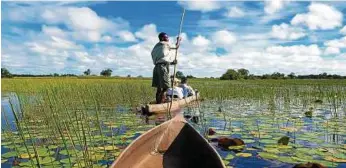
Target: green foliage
x,y
180,75
243,73
292,75
87,72
231,74
70,105
5,73
106,72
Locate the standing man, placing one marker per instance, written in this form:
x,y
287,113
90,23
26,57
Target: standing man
x,y
162,58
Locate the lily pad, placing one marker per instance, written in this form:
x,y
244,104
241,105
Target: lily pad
x,y
108,148
9,154
226,162
66,160
249,141
286,159
229,157
240,147
116,154
26,155
333,159
340,156
289,129
266,155
272,150
268,141
244,154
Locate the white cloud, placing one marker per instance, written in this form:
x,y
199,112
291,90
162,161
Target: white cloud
x,y
223,38
295,50
234,12
86,19
82,23
200,41
336,43
147,32
320,16
201,5
127,36
53,31
273,6
287,32
58,48
332,50
343,30
107,38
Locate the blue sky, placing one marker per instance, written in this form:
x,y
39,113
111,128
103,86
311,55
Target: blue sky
x,y
264,37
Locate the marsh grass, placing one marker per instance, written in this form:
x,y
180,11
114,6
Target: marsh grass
x,y
83,117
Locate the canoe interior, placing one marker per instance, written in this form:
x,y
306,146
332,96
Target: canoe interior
x,y
190,150
173,144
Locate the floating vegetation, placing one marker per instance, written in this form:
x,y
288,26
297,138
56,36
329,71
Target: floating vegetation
x,y
88,122
243,154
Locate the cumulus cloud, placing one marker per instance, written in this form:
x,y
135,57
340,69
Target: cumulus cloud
x,y
53,31
147,32
320,16
343,30
273,6
337,43
127,36
334,46
201,5
332,50
223,38
234,12
295,50
287,32
81,23
59,47
200,41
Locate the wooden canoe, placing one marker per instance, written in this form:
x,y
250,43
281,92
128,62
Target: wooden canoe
x,y
173,144
177,104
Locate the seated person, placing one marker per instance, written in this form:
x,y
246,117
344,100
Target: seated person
x,y
187,90
177,91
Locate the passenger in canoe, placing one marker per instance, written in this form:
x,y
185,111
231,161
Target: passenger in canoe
x,y
187,90
176,91
162,56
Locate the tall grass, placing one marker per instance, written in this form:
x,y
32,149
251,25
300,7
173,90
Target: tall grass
x,y
77,111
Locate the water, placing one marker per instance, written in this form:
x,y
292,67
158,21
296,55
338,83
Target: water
x,y
238,119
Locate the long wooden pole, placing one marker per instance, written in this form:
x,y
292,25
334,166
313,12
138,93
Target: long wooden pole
x,y
175,65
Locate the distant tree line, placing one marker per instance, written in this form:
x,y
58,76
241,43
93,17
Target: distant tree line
x,y
230,74
6,74
233,74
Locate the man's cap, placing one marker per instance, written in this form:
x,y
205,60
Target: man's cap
x,y
162,34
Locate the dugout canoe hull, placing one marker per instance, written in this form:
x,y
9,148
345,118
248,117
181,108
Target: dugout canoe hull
x,y
163,108
173,144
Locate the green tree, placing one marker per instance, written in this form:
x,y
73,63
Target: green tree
x,y
243,73
106,72
180,75
277,75
292,75
231,74
87,72
190,76
5,73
